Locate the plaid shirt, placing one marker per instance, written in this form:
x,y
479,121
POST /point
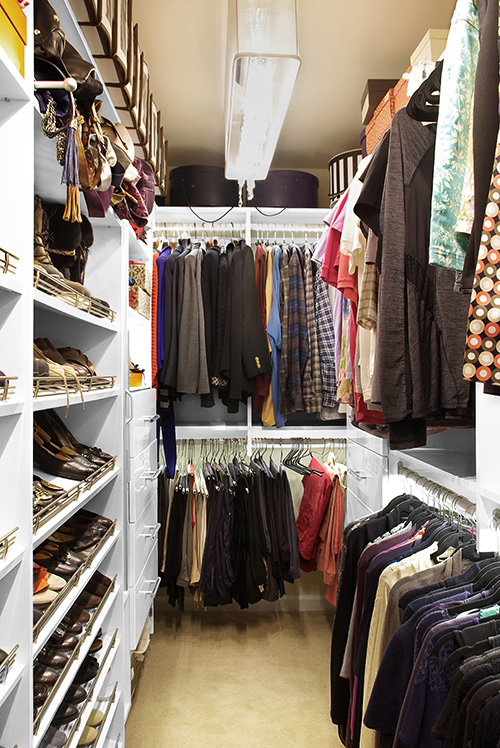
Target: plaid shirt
x,y
311,382
298,346
326,342
368,298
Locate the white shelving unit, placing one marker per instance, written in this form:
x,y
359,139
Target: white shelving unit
x,y
29,158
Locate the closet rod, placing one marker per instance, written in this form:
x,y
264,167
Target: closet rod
x,y
446,497
251,440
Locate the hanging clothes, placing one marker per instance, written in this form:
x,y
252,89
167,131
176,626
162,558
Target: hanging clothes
x,y
231,533
407,573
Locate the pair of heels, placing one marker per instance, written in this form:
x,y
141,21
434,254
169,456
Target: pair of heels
x,y
60,453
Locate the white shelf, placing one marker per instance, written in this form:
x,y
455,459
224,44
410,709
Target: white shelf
x,y
138,319
15,674
138,251
11,407
492,494
9,282
62,609
51,526
12,84
54,304
68,678
464,486
59,401
14,557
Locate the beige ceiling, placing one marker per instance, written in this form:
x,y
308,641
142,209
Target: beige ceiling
x,y
342,43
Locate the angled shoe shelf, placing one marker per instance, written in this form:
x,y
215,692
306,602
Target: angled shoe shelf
x,y
106,656
46,713
56,611
50,392
76,495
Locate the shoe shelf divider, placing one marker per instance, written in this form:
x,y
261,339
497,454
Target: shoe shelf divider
x,y
56,696
43,629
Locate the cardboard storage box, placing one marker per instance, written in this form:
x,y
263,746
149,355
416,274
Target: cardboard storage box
x,y
431,46
374,92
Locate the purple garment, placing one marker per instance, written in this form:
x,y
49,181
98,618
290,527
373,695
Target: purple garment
x,y
463,578
434,597
160,262
396,667
319,249
427,620
337,301
428,687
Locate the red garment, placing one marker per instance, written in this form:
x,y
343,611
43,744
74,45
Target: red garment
x,y
154,321
330,267
331,541
317,492
347,282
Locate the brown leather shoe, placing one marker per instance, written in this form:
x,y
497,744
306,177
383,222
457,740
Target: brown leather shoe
x,y
44,674
66,642
53,658
88,601
65,714
77,613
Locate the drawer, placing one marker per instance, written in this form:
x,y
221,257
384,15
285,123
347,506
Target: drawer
x,y
374,443
142,481
142,420
142,536
354,508
366,472
143,595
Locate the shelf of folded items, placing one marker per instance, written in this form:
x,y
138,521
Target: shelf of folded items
x,y
45,714
76,494
55,612
8,266
99,697
10,673
55,294
55,392
10,554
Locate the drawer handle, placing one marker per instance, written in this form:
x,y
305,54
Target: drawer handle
x,y
151,419
153,474
359,474
151,535
128,419
156,585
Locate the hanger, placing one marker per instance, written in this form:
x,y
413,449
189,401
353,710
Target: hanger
x,y
424,104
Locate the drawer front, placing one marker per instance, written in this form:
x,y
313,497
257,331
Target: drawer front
x,y
143,535
143,595
366,472
354,508
142,481
142,424
374,443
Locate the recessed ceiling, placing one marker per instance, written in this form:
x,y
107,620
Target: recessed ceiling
x,y
341,43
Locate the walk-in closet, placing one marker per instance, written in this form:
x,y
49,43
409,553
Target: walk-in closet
x,y
263,310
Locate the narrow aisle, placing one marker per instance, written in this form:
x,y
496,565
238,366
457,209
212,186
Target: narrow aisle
x,y
224,680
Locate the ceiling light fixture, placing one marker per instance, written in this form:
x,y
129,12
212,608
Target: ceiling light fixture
x,y
261,69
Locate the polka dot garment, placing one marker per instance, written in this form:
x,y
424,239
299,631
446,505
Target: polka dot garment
x,y
482,349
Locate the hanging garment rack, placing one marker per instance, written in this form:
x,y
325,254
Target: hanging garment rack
x,y
258,442
435,492
271,233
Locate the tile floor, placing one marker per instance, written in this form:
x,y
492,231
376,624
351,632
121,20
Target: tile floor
x,y
235,680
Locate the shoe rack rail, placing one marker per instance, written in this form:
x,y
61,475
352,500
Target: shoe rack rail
x,y
67,675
